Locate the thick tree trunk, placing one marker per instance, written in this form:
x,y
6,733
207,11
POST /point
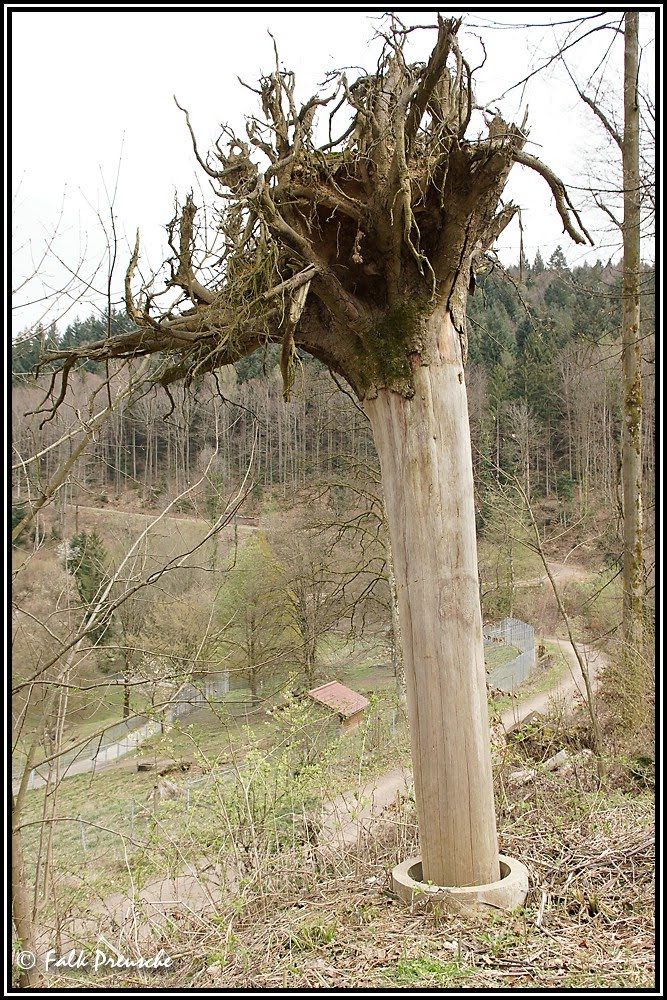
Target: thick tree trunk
x,y
424,448
633,566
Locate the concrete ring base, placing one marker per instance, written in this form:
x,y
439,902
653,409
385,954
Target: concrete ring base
x,y
506,894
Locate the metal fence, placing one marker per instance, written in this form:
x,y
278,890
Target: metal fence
x,y
190,698
511,632
381,726
109,747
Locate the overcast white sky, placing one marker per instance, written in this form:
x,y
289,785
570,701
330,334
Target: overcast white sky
x,y
92,110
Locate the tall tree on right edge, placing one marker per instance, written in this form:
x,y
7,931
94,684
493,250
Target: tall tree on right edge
x,y
628,142
631,462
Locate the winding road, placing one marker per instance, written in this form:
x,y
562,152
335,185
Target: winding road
x,y
200,887
347,816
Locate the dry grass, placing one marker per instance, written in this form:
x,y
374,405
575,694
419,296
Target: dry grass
x,y
311,918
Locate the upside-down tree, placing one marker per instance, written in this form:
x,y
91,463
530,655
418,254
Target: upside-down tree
x,y
359,246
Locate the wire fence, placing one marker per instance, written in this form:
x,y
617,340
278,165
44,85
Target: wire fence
x,y
124,737
108,747
520,635
174,797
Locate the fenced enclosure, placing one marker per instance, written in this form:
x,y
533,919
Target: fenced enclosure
x,y
125,737
316,753
511,632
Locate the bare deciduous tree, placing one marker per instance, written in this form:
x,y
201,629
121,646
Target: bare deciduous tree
x,y
251,610
633,561
634,140
313,592
42,684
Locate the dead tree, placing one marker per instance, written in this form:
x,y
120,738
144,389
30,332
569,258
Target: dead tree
x,y
361,249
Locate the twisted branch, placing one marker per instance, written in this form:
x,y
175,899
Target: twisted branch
x,y
561,197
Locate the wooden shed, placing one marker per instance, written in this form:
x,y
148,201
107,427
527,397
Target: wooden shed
x,y
348,705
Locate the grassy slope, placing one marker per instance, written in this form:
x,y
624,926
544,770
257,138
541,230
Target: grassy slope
x,y
313,923
42,583
306,920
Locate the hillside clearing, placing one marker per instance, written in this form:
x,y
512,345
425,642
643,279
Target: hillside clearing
x,y
309,919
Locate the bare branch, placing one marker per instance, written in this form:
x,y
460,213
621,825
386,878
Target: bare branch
x,y
561,197
597,110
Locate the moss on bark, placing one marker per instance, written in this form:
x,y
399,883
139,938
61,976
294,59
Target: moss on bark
x,y
388,346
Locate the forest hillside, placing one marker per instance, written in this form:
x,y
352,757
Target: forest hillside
x,y
269,516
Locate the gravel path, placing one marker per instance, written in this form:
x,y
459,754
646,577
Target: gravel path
x,y
347,816
342,821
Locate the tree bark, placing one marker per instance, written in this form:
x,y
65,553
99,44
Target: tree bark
x,y
633,582
397,643
424,448
126,695
21,909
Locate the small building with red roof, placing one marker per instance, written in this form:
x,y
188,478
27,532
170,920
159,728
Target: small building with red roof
x,y
347,704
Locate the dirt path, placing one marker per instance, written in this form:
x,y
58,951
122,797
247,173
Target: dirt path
x,y
563,573
569,689
146,514
249,524
344,820
137,918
